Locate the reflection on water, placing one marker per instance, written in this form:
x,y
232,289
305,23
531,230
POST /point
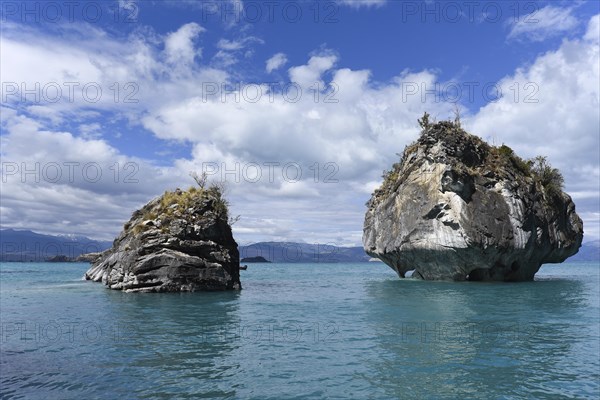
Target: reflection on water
x,y
180,340
473,339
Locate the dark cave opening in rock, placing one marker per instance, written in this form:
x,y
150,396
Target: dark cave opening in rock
x,y
477,275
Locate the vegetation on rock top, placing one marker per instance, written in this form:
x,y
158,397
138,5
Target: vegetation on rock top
x,y
472,155
179,204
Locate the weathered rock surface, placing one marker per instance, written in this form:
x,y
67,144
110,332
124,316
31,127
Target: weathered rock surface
x,y
88,257
181,241
456,208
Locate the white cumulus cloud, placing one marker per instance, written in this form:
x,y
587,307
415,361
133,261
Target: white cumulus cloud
x,y
179,45
277,61
309,74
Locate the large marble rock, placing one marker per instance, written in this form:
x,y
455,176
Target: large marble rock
x,y
181,241
456,208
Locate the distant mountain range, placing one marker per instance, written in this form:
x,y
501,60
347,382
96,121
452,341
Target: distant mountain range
x,y
24,245
290,252
589,251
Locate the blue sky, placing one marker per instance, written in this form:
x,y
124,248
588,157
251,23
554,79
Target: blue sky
x,y
192,85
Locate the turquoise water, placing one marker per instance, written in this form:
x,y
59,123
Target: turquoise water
x,y
301,331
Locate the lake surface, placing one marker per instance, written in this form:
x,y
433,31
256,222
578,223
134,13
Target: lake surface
x,y
301,331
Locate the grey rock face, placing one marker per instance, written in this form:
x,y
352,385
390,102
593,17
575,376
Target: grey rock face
x,y
180,241
456,208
